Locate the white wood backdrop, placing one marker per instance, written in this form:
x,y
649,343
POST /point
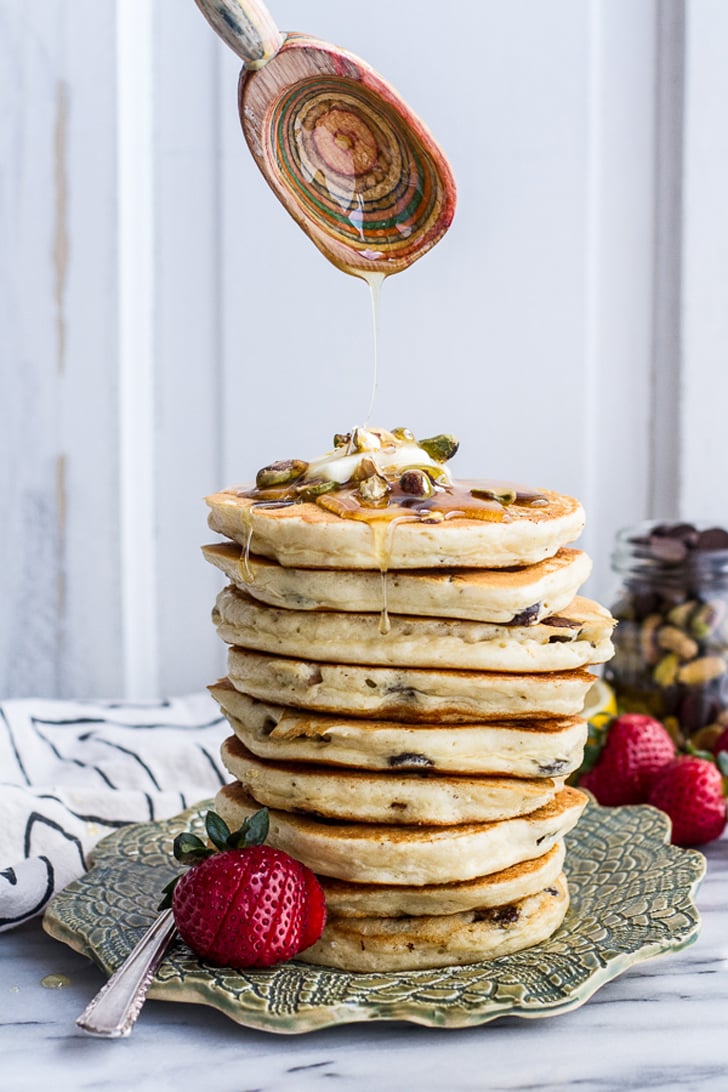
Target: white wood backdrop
x,y
165,328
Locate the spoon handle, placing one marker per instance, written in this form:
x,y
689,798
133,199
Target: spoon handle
x,y
113,1011
246,26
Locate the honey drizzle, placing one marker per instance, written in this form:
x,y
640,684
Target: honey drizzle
x,y
383,537
248,575
384,624
245,569
375,282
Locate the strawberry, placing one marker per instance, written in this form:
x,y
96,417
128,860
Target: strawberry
x,y
636,747
690,790
249,905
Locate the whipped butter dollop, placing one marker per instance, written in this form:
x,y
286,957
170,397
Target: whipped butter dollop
x,y
389,453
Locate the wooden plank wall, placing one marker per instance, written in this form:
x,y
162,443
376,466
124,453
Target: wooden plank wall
x,y
165,328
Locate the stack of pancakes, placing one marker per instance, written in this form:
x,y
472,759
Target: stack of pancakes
x,y
404,692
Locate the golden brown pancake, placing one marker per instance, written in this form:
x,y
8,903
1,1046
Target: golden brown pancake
x,y
406,693
365,900
579,636
415,943
307,535
542,747
390,796
411,855
523,595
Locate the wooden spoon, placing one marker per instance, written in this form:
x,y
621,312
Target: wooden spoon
x,y
356,169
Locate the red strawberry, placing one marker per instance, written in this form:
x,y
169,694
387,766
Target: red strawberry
x,y
249,905
690,790
636,747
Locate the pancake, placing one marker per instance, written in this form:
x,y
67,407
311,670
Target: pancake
x,y
357,900
407,694
480,595
532,748
417,943
579,636
401,798
387,854
309,536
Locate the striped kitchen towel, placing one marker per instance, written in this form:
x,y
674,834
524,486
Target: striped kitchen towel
x,y
73,771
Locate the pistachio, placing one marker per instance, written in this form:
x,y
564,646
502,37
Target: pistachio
x,y
706,618
503,496
666,669
702,670
310,490
672,639
416,482
280,473
680,615
365,468
405,435
342,439
364,439
374,491
440,448
437,474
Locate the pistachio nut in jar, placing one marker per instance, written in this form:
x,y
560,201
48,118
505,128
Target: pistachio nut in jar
x,y
671,641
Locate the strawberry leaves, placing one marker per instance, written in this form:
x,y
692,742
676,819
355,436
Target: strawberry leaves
x,y
188,849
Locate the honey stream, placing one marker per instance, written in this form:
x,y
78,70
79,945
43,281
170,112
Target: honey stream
x,y
481,500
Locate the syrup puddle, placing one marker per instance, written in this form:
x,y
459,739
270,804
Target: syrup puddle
x,y
55,982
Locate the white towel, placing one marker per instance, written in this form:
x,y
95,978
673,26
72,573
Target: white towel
x,y
71,772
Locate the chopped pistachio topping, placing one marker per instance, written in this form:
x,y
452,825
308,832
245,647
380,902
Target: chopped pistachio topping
x,y
311,490
373,459
441,448
503,496
374,490
281,473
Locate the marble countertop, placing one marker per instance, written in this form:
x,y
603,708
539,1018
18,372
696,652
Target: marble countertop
x,y
661,1025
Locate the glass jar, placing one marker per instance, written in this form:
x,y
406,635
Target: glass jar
x,y
671,641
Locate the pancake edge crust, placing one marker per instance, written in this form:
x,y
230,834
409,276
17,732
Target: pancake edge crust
x,y
418,943
308,536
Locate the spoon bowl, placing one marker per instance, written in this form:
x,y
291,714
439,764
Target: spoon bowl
x,y
342,151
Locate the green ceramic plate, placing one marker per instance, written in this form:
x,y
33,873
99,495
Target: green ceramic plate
x,y
631,899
